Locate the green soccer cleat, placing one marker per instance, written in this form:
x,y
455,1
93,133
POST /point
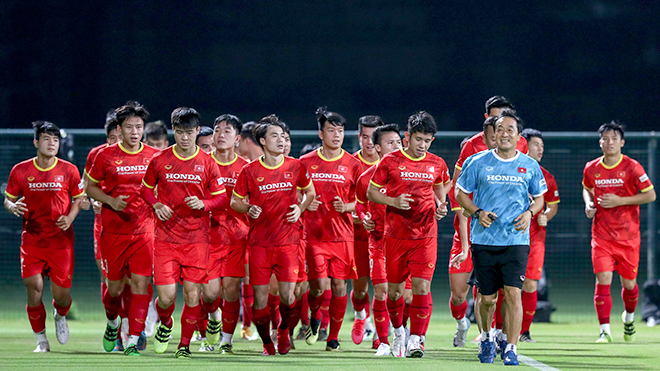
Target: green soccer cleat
x,y
604,338
132,351
213,329
628,328
183,352
162,339
226,348
110,338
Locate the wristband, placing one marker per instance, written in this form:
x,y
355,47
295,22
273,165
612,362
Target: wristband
x,y
476,213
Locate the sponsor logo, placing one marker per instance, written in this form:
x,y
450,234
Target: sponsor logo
x,y
288,175
44,185
605,182
30,178
328,176
199,168
412,174
505,178
342,169
275,186
260,179
118,162
59,178
522,170
402,167
430,169
314,167
489,168
431,265
643,178
168,167
187,177
522,278
227,180
235,174
542,182
131,169
422,316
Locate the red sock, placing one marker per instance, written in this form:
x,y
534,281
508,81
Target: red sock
x,y
325,308
499,321
126,297
150,291
112,305
261,319
189,317
286,313
529,300
603,303
203,319
210,307
165,314
315,303
419,314
37,317
359,304
406,314
295,316
367,307
304,309
337,312
428,320
247,300
137,315
230,316
458,311
62,311
630,298
274,309
381,320
104,288
395,309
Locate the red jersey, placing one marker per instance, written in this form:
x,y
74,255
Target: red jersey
x,y
550,197
377,210
229,227
121,172
88,167
361,234
456,208
476,144
400,173
178,178
48,194
332,177
274,190
626,178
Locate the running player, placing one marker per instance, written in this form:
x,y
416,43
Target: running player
x,y
248,147
205,139
40,190
537,230
417,178
270,186
614,187
155,135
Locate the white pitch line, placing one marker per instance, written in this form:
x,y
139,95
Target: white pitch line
x,y
536,364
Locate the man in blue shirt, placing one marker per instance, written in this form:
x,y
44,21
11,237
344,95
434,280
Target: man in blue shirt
x,y
501,181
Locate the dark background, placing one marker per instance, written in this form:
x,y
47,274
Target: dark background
x,y
567,65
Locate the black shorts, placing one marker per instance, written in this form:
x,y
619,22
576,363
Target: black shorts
x,y
499,266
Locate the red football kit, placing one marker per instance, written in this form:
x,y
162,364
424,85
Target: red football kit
x,y
330,235
361,244
476,144
272,240
181,247
456,246
97,217
537,233
376,240
615,236
45,248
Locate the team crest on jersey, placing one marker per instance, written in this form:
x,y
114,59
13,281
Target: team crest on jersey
x,y
146,161
314,167
235,174
402,167
597,175
288,175
622,174
430,169
342,169
30,178
59,178
118,162
260,179
199,168
168,167
522,170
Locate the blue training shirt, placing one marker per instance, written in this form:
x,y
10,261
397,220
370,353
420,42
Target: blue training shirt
x,y
503,187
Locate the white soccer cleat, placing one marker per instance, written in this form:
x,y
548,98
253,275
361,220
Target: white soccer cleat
x,y
461,334
414,349
399,342
383,350
150,323
42,347
61,328
369,329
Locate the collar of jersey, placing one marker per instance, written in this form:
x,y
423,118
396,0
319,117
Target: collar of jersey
x,y
505,160
602,162
34,161
222,163
129,152
187,158
410,157
365,161
330,159
261,161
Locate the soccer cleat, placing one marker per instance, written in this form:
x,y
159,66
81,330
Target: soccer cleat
x,y
369,329
414,349
206,346
312,332
62,328
604,337
383,350
110,338
283,343
526,338
486,351
323,334
119,346
247,334
226,348
162,339
142,342
196,337
273,336
213,329
123,332
628,328
399,342
332,346
376,343
461,335
477,339
42,347
301,332
510,358
269,349
357,334
152,320
183,352
131,351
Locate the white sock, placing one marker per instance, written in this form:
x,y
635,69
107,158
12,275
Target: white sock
x,y
114,323
217,315
132,339
486,335
606,327
414,338
361,314
58,317
503,336
41,336
510,347
462,323
629,317
226,338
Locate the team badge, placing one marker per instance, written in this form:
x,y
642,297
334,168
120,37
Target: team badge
x,y
314,167
146,161
199,168
168,167
342,169
288,175
597,175
522,170
118,162
59,178
430,169
260,179
402,168
622,174
30,178
235,174
489,168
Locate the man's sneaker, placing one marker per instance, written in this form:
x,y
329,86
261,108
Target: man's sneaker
x,y
323,334
206,346
312,332
119,346
501,346
383,350
301,332
42,347
131,351
273,336
477,339
376,343
510,358
142,342
526,338
486,351
399,342
213,329
269,349
461,335
197,336
604,337
62,328
152,319
369,329
226,348
283,343
162,339
123,333
414,349
357,334
110,337
628,328
332,345
183,352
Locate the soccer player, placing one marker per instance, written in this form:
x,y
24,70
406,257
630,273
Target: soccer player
x,y
205,139
329,225
155,135
386,139
184,175
270,185
248,147
40,190
414,178
537,230
499,233
614,187
126,242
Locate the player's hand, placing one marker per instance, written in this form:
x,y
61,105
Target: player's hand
x,y
609,201
314,205
97,206
19,207
254,211
85,203
339,205
294,215
457,259
522,221
590,210
163,212
64,222
486,218
368,223
466,213
441,211
543,220
194,203
402,201
118,202
356,218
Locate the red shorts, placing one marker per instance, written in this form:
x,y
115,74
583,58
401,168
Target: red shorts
x,y
124,254
97,239
302,264
178,262
331,259
377,260
279,260
535,260
466,266
361,256
409,283
226,261
620,256
54,263
410,257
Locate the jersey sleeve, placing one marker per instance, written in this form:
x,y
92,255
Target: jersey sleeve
x,y
361,190
552,196
241,188
587,182
443,173
467,181
13,189
150,179
537,185
76,187
304,180
642,181
522,145
215,180
90,161
453,204
381,175
97,170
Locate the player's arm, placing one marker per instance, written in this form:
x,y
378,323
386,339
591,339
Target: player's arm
x,y
94,191
610,200
15,205
440,191
589,206
238,203
547,214
402,201
486,218
342,207
522,220
65,221
465,245
308,194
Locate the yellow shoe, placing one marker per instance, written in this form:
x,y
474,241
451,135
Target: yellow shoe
x,y
604,338
628,328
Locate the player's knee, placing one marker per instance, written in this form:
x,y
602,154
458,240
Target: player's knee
x,y
457,298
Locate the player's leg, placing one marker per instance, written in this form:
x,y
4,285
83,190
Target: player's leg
x,y
422,256
317,262
603,265
190,314
36,311
287,309
513,264
210,303
230,314
274,307
486,269
341,268
627,256
360,301
395,306
247,300
458,305
261,314
529,301
379,306
139,308
165,304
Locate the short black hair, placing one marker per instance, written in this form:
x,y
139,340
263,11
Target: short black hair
x,y
247,131
286,128
260,130
324,116
130,109
41,127
204,131
512,114
530,133
110,122
381,130
490,121
465,140
232,120
369,121
185,118
612,125
497,101
309,147
422,122
155,130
